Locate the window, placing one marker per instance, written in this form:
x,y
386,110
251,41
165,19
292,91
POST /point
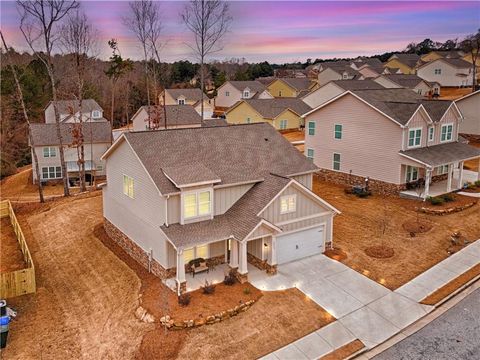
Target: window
x,y
279,93
288,204
249,120
442,169
195,253
188,254
414,137
336,161
99,168
345,76
419,91
311,128
181,101
431,133
201,252
49,151
447,131
96,114
438,71
51,172
310,153
128,186
283,124
197,204
246,94
412,173
338,131
227,93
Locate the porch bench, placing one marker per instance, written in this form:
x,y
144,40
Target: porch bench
x,y
199,266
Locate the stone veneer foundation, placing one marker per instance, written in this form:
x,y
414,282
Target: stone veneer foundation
x,y
262,264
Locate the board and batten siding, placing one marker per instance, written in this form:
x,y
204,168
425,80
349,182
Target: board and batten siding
x,y
254,247
470,108
322,95
305,180
139,218
302,224
370,142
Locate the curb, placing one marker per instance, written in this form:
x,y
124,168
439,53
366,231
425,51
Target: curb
x,y
459,290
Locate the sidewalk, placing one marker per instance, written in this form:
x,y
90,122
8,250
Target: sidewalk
x,y
377,320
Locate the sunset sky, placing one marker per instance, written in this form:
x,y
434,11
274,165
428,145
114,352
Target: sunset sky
x,y
284,31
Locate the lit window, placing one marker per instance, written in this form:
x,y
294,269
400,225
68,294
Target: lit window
x,y
311,128
288,204
431,133
190,205
414,137
49,151
283,124
336,161
188,254
201,252
447,131
338,131
197,204
128,186
204,203
181,101
310,154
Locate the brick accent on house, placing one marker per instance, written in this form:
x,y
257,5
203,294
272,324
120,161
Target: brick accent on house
x,y
262,264
182,288
135,251
438,178
271,269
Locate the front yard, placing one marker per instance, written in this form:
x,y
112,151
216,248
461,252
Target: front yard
x,y
375,227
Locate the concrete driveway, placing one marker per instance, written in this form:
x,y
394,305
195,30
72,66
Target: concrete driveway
x,y
364,308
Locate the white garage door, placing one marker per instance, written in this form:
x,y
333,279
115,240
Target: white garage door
x,y
300,244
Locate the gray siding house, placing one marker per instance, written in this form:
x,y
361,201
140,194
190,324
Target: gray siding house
x,y
230,194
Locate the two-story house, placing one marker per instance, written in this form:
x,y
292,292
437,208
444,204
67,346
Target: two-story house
x,y
69,112
469,106
447,72
336,71
237,194
406,63
192,96
393,137
291,87
233,91
409,81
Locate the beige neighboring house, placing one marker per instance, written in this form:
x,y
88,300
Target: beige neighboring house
x,y
408,81
338,72
69,113
335,88
219,194
291,87
406,63
447,72
233,91
469,106
440,54
394,137
97,139
178,116
191,97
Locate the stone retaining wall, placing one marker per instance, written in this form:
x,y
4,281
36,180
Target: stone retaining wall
x,y
261,264
451,210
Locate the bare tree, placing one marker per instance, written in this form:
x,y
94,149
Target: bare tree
x,y
78,40
471,45
208,21
39,25
27,120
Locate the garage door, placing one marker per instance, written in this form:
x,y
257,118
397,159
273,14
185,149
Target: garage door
x,y
300,244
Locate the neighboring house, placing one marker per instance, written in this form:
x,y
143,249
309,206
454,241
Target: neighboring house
x,y
229,194
361,62
447,72
438,54
97,139
391,136
233,91
469,106
68,111
407,63
178,116
338,72
291,87
369,71
409,81
335,88
188,97
281,113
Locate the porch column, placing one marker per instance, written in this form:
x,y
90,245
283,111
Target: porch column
x,y
181,282
428,179
460,175
450,176
242,266
272,256
234,254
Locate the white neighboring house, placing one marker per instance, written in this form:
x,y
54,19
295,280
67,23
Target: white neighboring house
x,y
447,72
338,72
178,116
68,110
233,91
469,106
97,139
408,81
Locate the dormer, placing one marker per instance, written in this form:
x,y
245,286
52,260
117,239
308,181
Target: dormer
x,y
181,100
246,93
97,114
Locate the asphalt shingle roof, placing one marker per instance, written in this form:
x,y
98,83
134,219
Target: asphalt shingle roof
x,y
298,83
46,134
405,80
177,115
271,108
443,154
253,85
358,84
408,59
188,174
70,106
194,94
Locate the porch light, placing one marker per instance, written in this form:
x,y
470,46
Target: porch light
x,y
265,244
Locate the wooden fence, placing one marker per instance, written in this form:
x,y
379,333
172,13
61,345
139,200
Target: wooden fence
x,y
20,282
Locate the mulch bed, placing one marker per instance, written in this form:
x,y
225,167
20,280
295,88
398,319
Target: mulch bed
x,y
459,201
11,257
417,227
380,252
344,351
336,254
452,286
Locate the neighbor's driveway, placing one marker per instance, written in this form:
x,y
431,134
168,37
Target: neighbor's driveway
x,y
371,312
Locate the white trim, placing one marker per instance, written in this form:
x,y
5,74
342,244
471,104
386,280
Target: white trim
x,y
123,185
261,222
416,160
339,162
288,197
201,183
197,204
466,96
417,110
431,127
456,107
414,137
453,129
324,224
303,218
335,132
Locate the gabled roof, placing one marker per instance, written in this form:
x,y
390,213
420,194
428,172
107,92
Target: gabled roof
x,y
71,106
177,115
253,85
271,108
298,84
405,80
340,69
234,153
436,108
436,155
453,54
457,63
193,174
194,94
46,134
357,84
410,60
476,93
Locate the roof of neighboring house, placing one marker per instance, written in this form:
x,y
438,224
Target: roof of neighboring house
x,y
358,84
265,80
387,70
234,153
405,80
453,54
71,106
457,63
442,154
468,95
271,108
214,122
177,115
340,68
46,134
253,85
299,84
194,94
408,59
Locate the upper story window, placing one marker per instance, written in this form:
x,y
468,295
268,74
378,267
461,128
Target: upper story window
x,y
279,93
438,71
49,151
310,154
246,94
197,204
345,76
283,124
128,186
338,131
96,114
288,204
414,137
431,133
181,101
311,128
249,120
227,93
447,132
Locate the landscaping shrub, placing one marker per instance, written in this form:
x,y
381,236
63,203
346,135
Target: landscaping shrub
x,y
230,278
208,288
184,299
471,186
246,291
477,183
436,200
448,197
